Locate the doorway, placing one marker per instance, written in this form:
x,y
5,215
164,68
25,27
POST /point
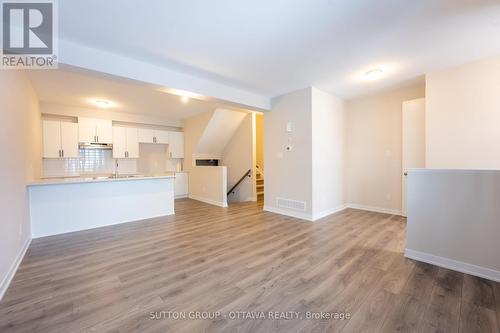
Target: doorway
x,y
259,156
413,155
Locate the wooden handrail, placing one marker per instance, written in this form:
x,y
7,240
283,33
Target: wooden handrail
x,y
239,181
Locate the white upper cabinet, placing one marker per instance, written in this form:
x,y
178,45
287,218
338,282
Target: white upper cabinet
x,y
132,143
153,136
146,135
125,142
104,131
162,137
69,139
51,139
60,139
95,130
176,145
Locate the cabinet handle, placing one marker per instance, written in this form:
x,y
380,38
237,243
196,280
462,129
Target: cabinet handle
x,y
62,152
126,154
98,138
170,154
59,153
154,139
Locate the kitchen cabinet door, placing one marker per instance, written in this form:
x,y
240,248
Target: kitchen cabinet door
x,y
132,142
87,130
146,135
104,130
181,184
119,142
69,139
162,137
51,138
176,145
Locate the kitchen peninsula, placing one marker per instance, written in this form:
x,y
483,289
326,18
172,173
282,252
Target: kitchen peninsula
x,y
70,204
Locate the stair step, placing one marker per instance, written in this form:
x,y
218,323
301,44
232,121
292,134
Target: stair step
x,y
260,193
260,186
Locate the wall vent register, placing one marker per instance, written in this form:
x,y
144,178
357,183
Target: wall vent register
x,y
291,204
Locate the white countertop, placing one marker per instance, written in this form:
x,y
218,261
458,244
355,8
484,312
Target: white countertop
x,y
78,180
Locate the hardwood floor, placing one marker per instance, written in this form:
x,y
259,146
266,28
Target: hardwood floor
x,y
210,259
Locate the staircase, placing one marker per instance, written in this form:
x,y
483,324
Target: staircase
x,y
260,184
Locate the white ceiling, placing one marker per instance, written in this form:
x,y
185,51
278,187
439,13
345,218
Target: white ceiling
x,y
273,47
82,89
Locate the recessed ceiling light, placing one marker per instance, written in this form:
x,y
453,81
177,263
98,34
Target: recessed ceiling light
x,y
374,74
102,103
184,99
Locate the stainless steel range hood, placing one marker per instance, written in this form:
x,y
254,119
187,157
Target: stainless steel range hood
x,y
91,145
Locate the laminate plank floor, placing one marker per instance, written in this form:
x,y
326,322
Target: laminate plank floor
x,y
239,269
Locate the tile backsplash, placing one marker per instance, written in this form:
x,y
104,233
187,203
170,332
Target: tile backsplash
x,y
90,162
153,160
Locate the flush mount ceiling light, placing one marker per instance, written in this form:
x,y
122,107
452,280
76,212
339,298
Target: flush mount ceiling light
x,y
374,74
102,103
184,99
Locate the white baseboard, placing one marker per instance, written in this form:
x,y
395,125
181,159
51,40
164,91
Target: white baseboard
x,y
181,196
13,269
291,213
305,216
327,212
208,201
375,209
455,265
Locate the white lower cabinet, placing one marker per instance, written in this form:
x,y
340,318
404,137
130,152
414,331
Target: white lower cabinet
x,y
181,185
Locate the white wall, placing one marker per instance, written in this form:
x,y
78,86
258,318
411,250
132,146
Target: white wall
x,y
463,116
193,131
20,135
328,141
209,184
373,149
288,173
313,171
237,157
453,220
218,132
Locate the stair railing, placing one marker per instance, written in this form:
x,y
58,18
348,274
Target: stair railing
x,y
247,174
